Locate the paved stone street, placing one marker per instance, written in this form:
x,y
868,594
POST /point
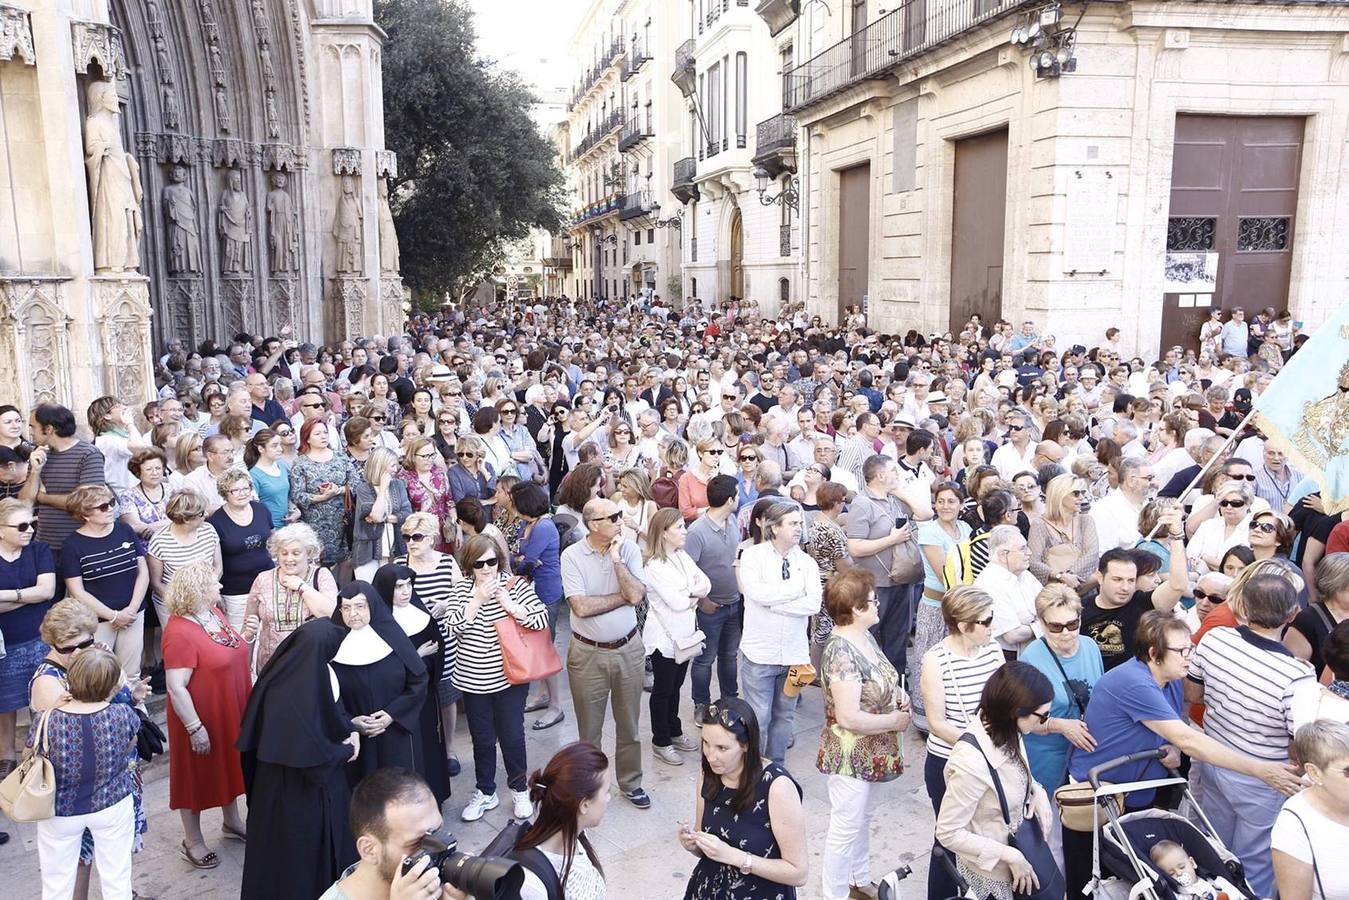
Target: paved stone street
x,y
637,847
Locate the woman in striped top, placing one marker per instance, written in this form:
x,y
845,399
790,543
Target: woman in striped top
x,y
496,708
188,539
434,576
953,674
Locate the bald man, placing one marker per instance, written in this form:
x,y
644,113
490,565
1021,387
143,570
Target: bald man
x,y
265,408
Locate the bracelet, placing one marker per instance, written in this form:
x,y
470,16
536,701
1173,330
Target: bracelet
x,y
192,727
1175,535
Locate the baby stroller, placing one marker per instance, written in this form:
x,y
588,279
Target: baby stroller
x,y
1122,868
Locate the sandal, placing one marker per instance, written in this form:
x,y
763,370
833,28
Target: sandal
x,y
537,705
230,834
542,725
209,861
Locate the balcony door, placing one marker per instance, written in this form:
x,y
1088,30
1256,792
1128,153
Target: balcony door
x,y
737,257
857,24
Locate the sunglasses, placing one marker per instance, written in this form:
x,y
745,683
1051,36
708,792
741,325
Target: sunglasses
x,y
749,457
1242,477
716,714
508,412
466,455
379,418
485,562
1201,594
415,537
786,571
82,645
312,405
22,527
612,517
1016,427
102,507
1043,717
1059,627
715,452
1265,527
984,622
285,434
1231,504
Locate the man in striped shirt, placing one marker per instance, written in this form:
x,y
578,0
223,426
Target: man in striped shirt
x,y
60,463
1246,679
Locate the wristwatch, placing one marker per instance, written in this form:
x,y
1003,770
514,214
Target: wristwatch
x,y
747,864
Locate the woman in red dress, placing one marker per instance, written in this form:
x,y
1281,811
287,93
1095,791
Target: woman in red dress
x,y
206,668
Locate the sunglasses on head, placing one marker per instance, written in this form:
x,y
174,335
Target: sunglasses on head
x,y
716,714
485,562
1059,627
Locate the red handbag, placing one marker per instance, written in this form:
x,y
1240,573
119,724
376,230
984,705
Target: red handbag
x,y
527,655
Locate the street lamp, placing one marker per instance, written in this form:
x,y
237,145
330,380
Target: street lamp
x,y
676,221
789,196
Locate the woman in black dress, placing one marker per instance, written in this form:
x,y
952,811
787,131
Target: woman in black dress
x,y
394,584
382,681
751,832
294,745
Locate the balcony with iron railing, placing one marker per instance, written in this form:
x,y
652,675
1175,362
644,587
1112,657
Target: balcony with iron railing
x,y
635,206
683,183
914,28
558,254
608,206
596,73
775,145
685,75
637,130
638,56
597,135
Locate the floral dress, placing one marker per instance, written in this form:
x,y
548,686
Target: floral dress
x,y
327,518
435,499
750,831
123,695
867,757
148,511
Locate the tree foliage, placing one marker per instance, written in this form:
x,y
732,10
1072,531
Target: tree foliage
x,y
474,171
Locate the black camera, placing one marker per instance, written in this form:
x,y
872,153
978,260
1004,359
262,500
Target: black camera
x,y
483,877
1080,691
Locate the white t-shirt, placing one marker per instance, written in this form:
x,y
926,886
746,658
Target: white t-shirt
x,y
1328,840
584,882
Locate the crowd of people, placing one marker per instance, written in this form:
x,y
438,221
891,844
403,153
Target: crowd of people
x,y
1034,559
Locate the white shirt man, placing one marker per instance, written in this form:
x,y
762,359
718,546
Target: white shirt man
x,y
1014,456
1116,515
1012,587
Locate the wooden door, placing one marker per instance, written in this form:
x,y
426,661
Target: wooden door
x,y
1234,189
978,215
737,256
854,235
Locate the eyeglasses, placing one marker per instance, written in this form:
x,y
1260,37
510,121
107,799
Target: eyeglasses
x,y
102,507
786,570
1059,627
1265,527
416,537
485,562
82,645
612,517
1231,504
1186,652
22,527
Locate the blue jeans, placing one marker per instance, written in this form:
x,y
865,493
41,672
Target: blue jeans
x,y
498,719
723,629
896,603
940,883
762,686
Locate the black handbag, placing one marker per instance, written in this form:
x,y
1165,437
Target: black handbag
x,y
1028,838
150,739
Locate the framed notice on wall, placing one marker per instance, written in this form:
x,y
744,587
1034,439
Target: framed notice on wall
x,y
1089,221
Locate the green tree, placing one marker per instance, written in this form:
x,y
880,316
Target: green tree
x,y
474,171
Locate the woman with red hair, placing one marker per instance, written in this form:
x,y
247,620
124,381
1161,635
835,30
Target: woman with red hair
x,y
571,793
318,483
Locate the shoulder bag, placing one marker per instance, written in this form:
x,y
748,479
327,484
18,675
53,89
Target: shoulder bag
x,y
1028,838
527,655
686,646
28,794
906,558
1316,870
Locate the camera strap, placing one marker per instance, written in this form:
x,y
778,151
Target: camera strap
x,y
1067,682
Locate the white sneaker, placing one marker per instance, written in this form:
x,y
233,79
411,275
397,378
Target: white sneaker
x,y
521,807
668,755
478,804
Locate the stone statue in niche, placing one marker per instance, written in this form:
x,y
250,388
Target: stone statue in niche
x,y
283,228
265,58
169,95
222,110
349,229
114,184
388,237
235,225
180,217
273,118
217,63
162,62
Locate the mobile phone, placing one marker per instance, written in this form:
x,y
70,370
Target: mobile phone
x,y
901,521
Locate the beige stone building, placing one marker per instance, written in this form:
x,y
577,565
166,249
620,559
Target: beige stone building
x,y
185,169
1084,165
619,142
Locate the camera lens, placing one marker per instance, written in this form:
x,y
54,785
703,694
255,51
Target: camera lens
x,y
483,877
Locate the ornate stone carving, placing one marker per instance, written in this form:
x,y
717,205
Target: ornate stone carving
x,y
234,223
276,157
349,229
392,296
272,116
96,42
301,46
114,184
216,62
349,297
388,237
229,154
183,243
346,160
265,61
386,164
187,309
237,305
283,228
282,301
172,149
16,35
124,327
222,109
168,103
36,331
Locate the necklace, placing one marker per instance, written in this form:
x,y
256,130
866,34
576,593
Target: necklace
x,y
287,605
217,632
162,491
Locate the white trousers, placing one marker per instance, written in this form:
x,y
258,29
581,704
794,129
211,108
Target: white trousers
x,y
366,571
58,848
847,846
126,644
233,606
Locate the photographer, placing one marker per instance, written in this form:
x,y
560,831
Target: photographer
x,y
391,811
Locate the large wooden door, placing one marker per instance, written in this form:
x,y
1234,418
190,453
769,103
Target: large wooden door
x,y
854,235
1234,193
978,215
737,257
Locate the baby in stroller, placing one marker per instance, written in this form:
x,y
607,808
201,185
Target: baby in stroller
x,y
1172,859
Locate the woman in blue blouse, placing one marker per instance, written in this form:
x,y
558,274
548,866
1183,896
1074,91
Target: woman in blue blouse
x,y
540,561
87,740
27,584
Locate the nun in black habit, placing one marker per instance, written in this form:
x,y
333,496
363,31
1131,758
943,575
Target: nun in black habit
x,y
295,742
394,584
383,681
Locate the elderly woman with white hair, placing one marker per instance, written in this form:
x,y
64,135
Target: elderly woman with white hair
x,y
1227,529
296,590
1312,829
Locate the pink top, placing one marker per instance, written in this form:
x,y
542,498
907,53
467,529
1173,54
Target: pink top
x,y
280,611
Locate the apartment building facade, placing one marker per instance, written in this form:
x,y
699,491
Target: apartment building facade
x,y
1133,163
622,127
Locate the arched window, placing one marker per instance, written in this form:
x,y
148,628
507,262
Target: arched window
x,y
784,293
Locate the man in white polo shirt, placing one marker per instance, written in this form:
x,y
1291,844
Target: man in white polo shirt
x,y
1246,678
